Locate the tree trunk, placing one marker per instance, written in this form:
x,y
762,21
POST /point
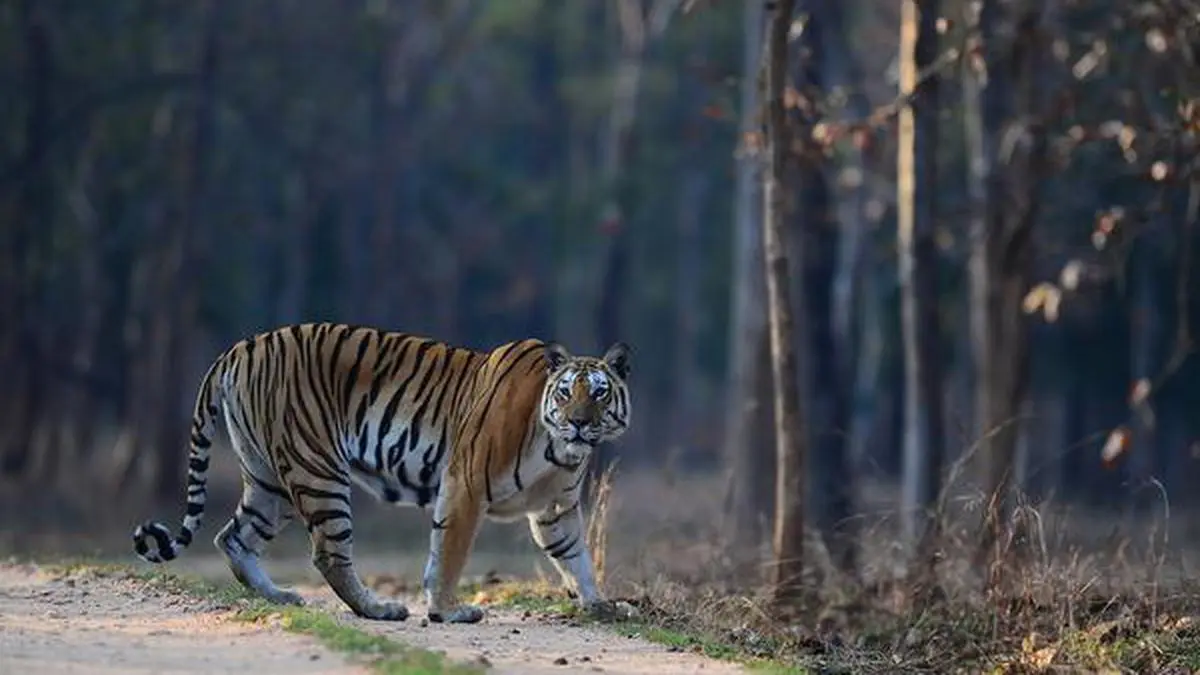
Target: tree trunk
x,y
850,307
21,250
790,441
824,364
1001,269
924,440
612,252
689,309
748,453
184,256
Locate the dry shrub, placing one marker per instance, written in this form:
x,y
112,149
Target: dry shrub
x,y
1080,591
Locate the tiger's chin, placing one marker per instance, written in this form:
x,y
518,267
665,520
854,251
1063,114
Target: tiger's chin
x,y
572,456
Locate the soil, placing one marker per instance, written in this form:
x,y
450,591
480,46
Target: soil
x,y
88,623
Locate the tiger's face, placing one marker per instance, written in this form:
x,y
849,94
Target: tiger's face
x,y
585,401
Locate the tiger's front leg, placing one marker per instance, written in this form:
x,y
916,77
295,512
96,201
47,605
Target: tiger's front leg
x,y
559,531
456,517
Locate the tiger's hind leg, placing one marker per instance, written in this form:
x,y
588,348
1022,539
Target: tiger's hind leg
x,y
260,516
324,504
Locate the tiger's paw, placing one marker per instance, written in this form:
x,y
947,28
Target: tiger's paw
x,y
459,614
384,610
610,610
282,597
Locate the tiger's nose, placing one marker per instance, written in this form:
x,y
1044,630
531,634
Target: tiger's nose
x,y
579,418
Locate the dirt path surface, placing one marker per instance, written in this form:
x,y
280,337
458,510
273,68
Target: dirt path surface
x,y
514,642
103,624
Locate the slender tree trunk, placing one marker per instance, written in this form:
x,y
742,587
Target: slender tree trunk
x,y
748,446
851,194
1002,268
924,438
689,308
790,442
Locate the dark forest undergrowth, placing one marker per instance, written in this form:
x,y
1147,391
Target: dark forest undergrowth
x,y
1082,593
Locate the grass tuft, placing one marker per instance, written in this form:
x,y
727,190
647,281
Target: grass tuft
x,y
385,655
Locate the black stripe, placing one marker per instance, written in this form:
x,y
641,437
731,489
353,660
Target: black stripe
x,y
265,535
578,479
273,489
321,516
497,381
311,492
246,508
561,546
352,376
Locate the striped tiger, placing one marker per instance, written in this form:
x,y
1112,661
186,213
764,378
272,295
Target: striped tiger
x,y
311,408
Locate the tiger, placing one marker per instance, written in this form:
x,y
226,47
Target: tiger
x,y
312,408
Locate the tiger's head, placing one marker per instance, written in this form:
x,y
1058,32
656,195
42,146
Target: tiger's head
x,y
585,401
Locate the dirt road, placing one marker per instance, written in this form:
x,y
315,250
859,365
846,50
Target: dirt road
x,y
106,624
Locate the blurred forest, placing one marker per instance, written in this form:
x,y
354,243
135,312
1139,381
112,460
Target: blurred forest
x,y
994,279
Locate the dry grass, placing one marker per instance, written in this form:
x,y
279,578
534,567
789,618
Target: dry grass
x,y
1082,593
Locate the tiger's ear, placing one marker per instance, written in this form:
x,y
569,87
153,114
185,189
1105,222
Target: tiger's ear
x,y
617,358
556,355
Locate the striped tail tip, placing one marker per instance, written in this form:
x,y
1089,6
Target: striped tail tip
x,y
153,543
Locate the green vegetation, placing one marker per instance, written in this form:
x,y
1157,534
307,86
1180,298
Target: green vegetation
x,y
386,656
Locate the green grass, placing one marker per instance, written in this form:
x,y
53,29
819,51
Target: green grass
x,y
384,655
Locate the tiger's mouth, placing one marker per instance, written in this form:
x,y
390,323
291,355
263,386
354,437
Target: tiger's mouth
x,y
573,453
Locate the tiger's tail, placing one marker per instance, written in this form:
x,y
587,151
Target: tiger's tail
x,y
152,540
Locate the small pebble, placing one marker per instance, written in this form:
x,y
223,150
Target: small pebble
x,y
560,661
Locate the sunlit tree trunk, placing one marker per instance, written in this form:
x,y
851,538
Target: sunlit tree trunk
x,y
923,441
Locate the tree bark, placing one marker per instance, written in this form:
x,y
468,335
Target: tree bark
x,y
1003,254
824,364
790,442
924,440
747,445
